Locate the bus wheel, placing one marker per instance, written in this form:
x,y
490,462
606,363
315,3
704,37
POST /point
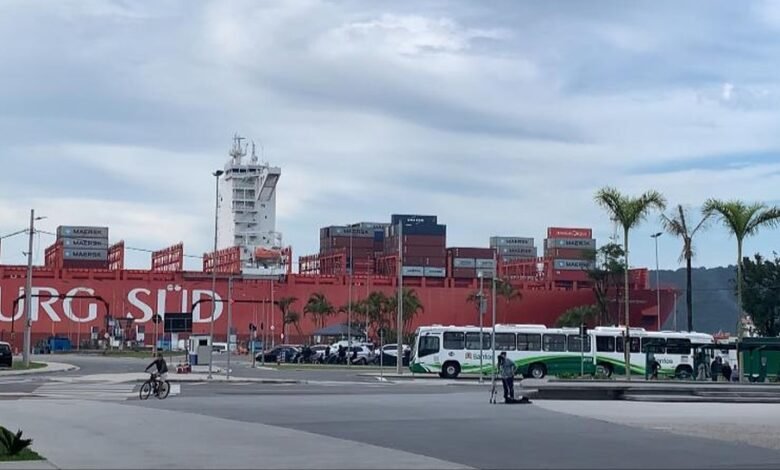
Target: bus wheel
x,y
537,371
450,370
603,370
683,372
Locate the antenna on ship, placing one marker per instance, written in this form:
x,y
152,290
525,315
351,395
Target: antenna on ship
x,y
237,152
254,154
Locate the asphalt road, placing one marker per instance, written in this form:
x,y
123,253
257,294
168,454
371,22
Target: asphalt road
x,y
340,420
458,425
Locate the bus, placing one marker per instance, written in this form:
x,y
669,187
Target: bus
x,y
539,351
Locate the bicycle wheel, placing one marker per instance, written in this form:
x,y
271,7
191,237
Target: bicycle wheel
x,y
146,390
163,390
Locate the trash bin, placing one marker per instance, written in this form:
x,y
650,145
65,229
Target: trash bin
x,y
193,359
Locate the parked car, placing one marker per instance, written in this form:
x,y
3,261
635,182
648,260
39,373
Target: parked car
x,y
392,349
283,352
6,356
361,355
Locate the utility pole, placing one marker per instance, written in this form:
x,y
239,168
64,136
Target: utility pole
x,y
400,318
229,323
657,281
349,302
493,294
480,310
28,293
216,175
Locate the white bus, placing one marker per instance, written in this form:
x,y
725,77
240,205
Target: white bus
x,y
539,351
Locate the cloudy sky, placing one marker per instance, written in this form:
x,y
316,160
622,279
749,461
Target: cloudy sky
x,y
499,117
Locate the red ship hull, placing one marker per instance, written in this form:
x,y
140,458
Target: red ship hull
x,y
57,308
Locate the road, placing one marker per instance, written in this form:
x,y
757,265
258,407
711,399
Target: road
x,y
346,421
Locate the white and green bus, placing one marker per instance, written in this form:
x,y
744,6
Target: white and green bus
x,y
539,351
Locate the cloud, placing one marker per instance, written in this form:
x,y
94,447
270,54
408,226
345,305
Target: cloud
x,y
499,117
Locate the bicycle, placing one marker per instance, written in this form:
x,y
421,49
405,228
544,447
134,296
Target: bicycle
x,y
160,388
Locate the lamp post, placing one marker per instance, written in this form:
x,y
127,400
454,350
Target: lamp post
x,y
655,236
480,311
399,340
349,302
493,295
28,291
216,175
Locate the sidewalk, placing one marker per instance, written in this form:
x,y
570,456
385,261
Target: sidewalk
x,y
50,367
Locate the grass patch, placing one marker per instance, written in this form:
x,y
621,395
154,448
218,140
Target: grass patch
x,y
23,456
19,365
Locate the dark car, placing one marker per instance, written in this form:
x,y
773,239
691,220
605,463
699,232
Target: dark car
x,y
282,353
6,356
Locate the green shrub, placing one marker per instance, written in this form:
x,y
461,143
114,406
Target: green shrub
x,y
12,444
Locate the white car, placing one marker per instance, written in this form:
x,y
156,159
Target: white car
x,y
392,349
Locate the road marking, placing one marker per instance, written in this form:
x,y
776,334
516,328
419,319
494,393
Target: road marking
x,y
93,391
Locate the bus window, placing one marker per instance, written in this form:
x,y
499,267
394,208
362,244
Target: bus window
x,y
634,344
605,343
472,341
555,343
454,340
428,345
505,342
575,341
654,345
678,346
529,342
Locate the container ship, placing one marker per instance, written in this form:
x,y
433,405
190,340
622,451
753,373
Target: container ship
x,y
84,292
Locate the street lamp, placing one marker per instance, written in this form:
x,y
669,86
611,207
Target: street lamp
x,y
493,295
216,175
657,282
480,275
28,291
349,302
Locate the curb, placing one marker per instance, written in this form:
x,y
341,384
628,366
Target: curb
x,y
50,368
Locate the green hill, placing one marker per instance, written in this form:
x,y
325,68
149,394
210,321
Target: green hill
x,y
714,298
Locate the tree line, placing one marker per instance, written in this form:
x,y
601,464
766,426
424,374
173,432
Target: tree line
x,y
757,278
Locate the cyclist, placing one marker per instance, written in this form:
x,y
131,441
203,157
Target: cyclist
x,y
162,368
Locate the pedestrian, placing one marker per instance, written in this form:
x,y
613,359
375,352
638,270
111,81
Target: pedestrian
x,y
735,373
342,354
726,371
715,369
508,370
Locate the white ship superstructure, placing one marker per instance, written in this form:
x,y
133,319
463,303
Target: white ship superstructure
x,y
247,210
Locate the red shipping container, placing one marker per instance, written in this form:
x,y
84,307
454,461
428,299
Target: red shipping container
x,y
564,232
568,253
483,253
429,261
427,251
569,275
424,240
463,273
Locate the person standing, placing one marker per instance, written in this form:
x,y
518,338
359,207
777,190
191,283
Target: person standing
x,y
508,371
726,371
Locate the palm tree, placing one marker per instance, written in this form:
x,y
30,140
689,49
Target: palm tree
x,y
376,310
292,318
358,311
507,291
411,307
629,212
742,220
677,225
319,308
284,305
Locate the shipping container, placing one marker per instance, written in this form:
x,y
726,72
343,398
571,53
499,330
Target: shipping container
x,y
463,273
518,251
485,263
510,259
435,272
80,254
572,264
564,232
85,243
511,241
69,231
464,263
428,251
486,273
471,252
440,230
436,262
580,243
413,271
413,219
568,253
570,275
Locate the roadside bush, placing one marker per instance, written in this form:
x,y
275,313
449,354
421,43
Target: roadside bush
x,y
12,444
